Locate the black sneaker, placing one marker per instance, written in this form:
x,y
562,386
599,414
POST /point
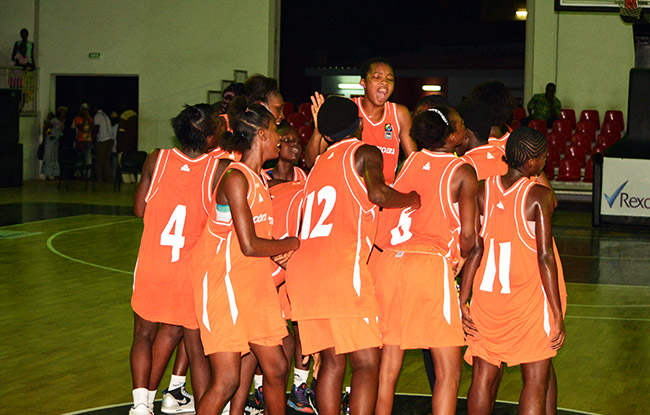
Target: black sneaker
x,y
298,399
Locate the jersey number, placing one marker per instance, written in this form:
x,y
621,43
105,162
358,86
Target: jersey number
x,y
176,239
402,232
491,268
327,194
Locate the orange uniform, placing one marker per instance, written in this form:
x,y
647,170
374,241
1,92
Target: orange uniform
x,y
178,200
509,305
414,279
328,278
384,134
287,203
235,299
220,153
487,160
299,174
500,141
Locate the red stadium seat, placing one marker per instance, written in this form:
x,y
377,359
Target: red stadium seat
x,y
539,125
610,127
591,115
606,140
598,148
305,132
582,140
588,128
305,108
287,109
578,153
297,120
552,156
562,126
549,170
569,170
569,115
519,113
558,141
589,172
616,116
515,124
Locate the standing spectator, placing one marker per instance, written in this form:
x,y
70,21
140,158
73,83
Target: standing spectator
x,y
545,106
103,147
127,133
23,52
50,167
83,123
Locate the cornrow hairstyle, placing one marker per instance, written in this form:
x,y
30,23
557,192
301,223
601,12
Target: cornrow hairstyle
x,y
524,144
246,121
193,125
429,129
498,98
258,88
367,65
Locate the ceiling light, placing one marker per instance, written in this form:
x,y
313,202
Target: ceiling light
x,y
431,88
350,86
521,14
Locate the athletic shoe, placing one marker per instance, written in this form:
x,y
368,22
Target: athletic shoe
x,y
258,397
251,409
140,409
177,401
298,399
311,396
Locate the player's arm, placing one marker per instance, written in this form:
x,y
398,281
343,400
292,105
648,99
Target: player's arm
x,y
232,191
316,144
543,180
369,165
218,172
539,207
139,204
404,117
467,182
471,265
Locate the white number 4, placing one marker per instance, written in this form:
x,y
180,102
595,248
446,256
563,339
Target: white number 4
x,y
176,239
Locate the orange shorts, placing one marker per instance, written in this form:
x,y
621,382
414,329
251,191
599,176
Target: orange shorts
x,y
345,335
285,305
417,297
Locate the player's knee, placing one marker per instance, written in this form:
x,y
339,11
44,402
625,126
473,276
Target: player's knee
x,y
277,372
225,384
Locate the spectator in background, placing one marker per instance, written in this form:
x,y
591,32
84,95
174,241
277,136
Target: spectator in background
x,y
83,123
103,147
127,132
544,106
23,52
50,167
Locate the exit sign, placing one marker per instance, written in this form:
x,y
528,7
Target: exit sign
x,y
94,55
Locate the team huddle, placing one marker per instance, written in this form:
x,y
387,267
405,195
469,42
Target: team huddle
x,y
360,256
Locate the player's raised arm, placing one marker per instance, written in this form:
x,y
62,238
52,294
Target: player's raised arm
x,y
316,144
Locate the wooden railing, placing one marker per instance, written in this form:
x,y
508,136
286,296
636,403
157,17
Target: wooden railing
x,y
14,77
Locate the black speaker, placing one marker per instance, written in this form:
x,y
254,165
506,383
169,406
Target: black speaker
x,y
9,115
638,116
11,165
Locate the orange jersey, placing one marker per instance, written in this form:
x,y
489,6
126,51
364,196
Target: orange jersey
x,y
437,222
287,203
177,200
500,141
383,134
235,299
328,276
220,153
487,160
299,174
509,305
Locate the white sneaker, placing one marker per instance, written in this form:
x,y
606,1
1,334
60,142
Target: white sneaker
x,y
177,401
140,409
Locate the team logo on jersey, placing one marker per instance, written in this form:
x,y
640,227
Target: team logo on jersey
x,y
427,166
185,168
260,198
388,131
490,156
386,150
500,205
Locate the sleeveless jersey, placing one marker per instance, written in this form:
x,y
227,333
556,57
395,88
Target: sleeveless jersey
x,y
383,134
234,296
328,276
509,305
437,222
177,200
487,160
220,153
500,141
299,174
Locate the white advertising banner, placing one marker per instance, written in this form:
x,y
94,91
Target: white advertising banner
x,y
626,187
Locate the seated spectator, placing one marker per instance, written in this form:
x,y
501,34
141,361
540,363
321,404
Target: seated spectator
x,y
544,106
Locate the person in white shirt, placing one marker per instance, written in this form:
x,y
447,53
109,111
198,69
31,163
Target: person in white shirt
x,y
104,147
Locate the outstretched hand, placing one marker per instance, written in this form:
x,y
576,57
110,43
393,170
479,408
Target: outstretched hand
x,y
316,101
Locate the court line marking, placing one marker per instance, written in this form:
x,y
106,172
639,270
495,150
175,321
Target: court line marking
x,y
498,400
51,247
607,285
610,305
46,220
612,258
608,318
99,408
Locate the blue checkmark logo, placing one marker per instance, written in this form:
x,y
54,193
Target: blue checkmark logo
x,y
612,198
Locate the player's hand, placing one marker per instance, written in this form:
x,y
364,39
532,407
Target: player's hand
x,y
415,197
559,334
316,101
316,366
459,266
468,325
282,259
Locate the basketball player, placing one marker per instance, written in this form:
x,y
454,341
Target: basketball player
x,y
290,151
516,313
172,196
386,125
235,300
328,282
418,254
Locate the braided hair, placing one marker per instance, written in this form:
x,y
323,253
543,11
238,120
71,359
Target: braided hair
x,y
193,125
246,121
430,128
524,144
